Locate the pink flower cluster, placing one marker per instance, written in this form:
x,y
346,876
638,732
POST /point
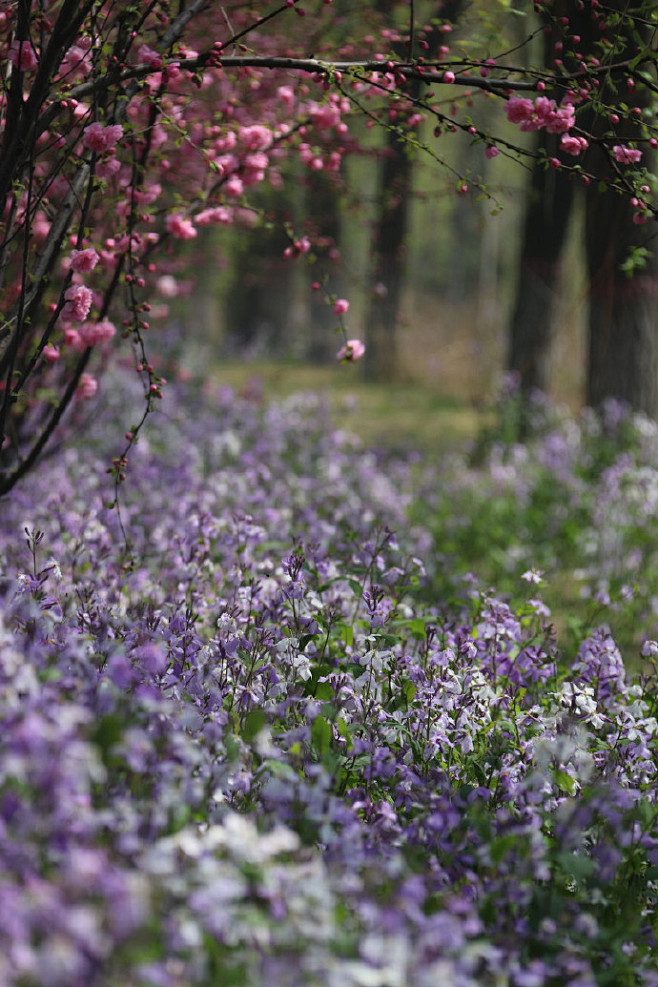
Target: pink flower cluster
x,y
352,350
543,113
102,139
77,304
298,248
626,155
23,56
86,388
147,56
180,226
89,334
256,137
573,145
85,260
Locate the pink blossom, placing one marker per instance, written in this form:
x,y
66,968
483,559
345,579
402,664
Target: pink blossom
x,y
50,353
560,120
626,155
215,214
23,56
341,306
325,116
146,56
225,143
85,260
519,110
573,145
102,139
299,247
287,96
86,388
40,227
180,227
491,152
93,333
167,286
256,137
77,304
74,340
542,113
107,168
449,78
145,197
352,350
234,186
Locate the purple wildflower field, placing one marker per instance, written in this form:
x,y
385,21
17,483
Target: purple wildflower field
x,y
296,737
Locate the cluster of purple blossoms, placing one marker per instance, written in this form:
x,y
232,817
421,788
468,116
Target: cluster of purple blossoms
x,y
255,746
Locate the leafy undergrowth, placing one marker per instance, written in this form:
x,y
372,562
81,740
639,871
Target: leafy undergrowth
x,y
261,748
578,500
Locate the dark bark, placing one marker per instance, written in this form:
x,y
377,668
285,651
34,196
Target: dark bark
x,y
546,219
623,311
387,261
623,308
259,302
323,206
388,251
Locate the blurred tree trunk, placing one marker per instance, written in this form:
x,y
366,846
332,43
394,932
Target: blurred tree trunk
x,y
387,259
548,207
623,329
260,299
323,198
388,251
623,310
544,229
623,307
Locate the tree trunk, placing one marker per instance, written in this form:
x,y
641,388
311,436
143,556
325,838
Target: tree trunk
x,y
546,219
324,207
260,299
623,327
387,260
623,309
388,252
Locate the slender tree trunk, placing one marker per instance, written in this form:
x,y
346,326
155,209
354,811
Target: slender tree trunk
x,y
259,302
323,198
388,253
387,261
548,208
546,219
623,309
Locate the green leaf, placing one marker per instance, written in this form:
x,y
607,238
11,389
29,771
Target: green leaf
x,y
321,734
254,722
574,865
417,628
409,690
356,587
107,733
564,781
346,631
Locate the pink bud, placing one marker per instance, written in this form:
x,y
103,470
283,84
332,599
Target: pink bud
x,y
353,350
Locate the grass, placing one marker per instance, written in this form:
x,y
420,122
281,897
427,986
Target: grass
x,y
395,416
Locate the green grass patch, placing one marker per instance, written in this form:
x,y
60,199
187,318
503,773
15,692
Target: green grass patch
x,y
396,416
